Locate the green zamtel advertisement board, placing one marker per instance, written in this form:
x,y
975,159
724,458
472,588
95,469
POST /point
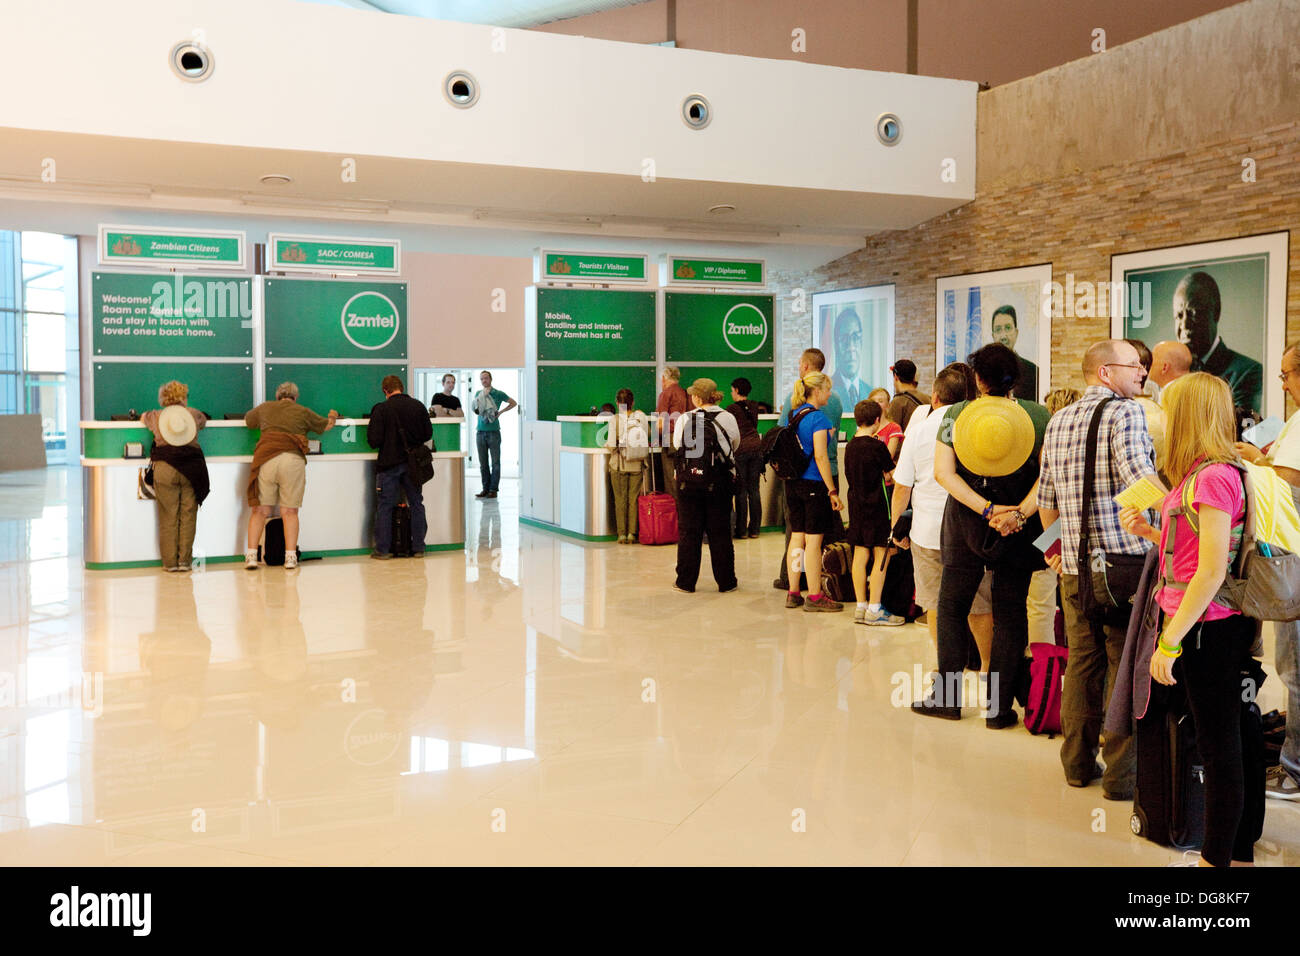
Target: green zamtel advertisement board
x,y
218,389
760,381
565,390
595,325
199,316
705,328
331,319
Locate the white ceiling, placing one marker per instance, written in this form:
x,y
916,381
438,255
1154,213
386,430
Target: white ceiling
x,y
518,14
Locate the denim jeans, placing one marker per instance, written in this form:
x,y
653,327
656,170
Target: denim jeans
x,y
388,483
749,505
1287,658
489,447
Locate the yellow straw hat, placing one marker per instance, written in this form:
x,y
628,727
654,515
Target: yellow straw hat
x,y
993,436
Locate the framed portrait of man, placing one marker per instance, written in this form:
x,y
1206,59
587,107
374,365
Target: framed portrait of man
x,y
1011,306
1224,300
855,328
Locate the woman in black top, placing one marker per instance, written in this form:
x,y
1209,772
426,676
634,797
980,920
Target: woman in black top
x,y
749,461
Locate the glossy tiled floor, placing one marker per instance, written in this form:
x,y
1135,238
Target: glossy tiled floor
x,y
532,700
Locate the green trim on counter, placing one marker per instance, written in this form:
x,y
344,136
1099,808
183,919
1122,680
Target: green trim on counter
x,y
446,433
582,434
543,526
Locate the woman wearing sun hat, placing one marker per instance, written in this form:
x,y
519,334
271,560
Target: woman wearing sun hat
x,y
180,473
986,457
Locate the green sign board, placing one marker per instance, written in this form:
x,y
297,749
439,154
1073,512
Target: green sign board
x,y
184,315
564,390
333,319
714,271
601,266
218,389
595,325
352,390
316,253
760,381
705,328
168,247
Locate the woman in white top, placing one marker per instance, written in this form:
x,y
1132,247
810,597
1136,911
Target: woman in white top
x,y
705,484
629,444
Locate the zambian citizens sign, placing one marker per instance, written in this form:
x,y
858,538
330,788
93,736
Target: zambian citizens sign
x,y
153,246
323,254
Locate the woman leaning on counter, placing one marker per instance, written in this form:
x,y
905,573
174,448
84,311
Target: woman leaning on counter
x,y
180,473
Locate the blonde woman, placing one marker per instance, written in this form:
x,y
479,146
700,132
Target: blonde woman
x,y
812,499
1059,398
1203,644
180,473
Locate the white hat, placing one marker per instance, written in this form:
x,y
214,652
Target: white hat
x,y
176,425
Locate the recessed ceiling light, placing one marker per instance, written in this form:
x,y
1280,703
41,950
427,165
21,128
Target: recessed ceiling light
x,y
722,209
276,179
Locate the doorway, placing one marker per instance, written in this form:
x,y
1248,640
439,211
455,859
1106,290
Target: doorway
x,y
428,382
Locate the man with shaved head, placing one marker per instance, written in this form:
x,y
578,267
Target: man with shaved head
x,y
1114,375
1169,360
1197,307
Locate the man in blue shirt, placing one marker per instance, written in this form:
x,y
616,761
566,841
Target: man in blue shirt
x,y
814,360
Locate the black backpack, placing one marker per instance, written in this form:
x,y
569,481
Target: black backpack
x,y
781,449
712,468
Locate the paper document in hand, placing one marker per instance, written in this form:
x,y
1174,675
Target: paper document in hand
x,y
1263,434
1142,494
1051,536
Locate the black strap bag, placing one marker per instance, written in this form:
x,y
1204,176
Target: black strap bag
x,y
1107,579
419,458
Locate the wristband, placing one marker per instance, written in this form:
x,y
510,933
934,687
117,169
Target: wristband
x,y
1168,650
988,509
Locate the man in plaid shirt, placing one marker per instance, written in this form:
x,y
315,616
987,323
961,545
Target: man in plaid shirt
x,y
1111,370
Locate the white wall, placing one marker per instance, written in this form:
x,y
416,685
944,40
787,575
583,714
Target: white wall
x,y
301,76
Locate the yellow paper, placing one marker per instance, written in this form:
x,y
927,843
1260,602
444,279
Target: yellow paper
x,y
1142,494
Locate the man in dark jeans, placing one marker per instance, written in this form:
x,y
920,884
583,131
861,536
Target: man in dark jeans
x,y
749,461
396,424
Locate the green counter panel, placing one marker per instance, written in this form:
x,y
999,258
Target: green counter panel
x,y
350,389
576,389
582,434
219,389
760,380
234,442
446,434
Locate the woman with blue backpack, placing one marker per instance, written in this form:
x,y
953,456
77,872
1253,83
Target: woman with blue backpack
x,y
1203,643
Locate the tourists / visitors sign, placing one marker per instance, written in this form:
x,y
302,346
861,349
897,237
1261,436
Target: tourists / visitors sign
x,y
590,266
324,254
154,246
679,270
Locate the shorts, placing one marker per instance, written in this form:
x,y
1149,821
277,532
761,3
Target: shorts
x,y
808,507
869,530
927,572
283,480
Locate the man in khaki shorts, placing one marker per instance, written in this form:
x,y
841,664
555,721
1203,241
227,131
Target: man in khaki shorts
x,y
914,484
279,472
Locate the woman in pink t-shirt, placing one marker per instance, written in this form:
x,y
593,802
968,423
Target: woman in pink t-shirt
x,y
1204,643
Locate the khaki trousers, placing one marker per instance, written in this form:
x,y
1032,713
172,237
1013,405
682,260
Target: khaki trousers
x,y
178,513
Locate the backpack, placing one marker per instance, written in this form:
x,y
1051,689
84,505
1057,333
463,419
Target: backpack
x,y
636,444
710,469
781,449
1263,580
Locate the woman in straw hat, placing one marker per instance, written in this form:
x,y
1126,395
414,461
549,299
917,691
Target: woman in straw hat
x,y
1203,644
180,473
705,508
986,458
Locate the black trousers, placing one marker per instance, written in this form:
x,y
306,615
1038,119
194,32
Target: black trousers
x,y
1210,667
699,514
749,505
969,547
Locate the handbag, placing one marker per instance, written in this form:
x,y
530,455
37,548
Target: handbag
x,y
419,459
144,489
1109,579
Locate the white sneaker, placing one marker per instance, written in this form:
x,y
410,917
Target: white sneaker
x,y
250,560
859,615
290,561
882,618
1281,785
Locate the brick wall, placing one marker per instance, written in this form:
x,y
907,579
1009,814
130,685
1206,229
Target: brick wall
x,y
1076,222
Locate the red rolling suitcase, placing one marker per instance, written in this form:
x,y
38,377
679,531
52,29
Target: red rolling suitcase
x,y
656,514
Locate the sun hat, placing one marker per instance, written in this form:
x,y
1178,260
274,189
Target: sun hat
x,y
993,436
176,425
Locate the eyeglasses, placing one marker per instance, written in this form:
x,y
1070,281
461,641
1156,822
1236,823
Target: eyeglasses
x,y
1120,365
1287,373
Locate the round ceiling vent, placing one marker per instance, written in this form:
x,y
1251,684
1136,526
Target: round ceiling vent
x,y
461,89
889,129
696,112
192,61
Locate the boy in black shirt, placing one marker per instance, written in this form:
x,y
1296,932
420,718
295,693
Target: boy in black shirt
x,y
867,463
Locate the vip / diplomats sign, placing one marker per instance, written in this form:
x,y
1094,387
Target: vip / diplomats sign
x,y
287,253
154,246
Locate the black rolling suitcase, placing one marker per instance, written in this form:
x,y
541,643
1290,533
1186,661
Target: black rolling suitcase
x,y
402,531
1169,794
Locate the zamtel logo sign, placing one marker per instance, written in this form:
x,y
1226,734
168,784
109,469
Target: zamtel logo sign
x,y
370,320
744,328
